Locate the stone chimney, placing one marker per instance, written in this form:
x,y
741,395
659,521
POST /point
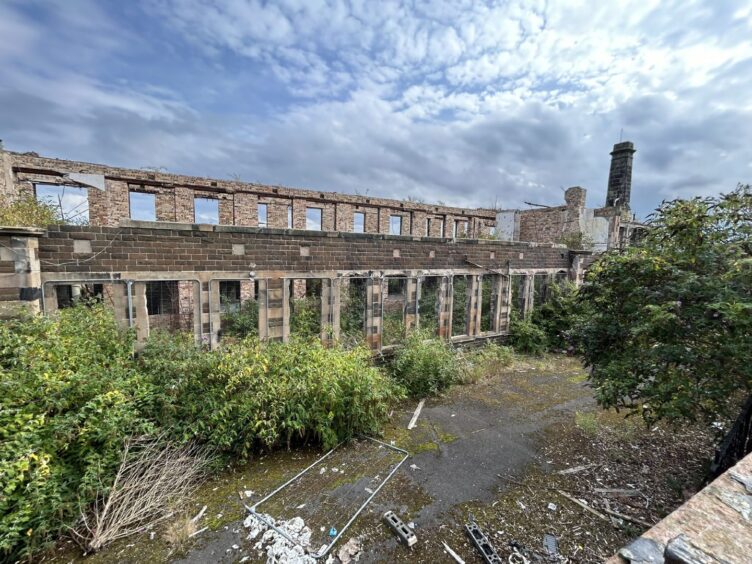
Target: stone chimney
x,y
620,175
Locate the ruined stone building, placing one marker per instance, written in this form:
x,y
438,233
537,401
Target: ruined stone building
x,y
177,251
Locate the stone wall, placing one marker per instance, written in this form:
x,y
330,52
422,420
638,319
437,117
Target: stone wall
x,y
238,201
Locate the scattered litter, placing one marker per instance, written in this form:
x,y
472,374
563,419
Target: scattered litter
x,y
452,553
453,415
219,515
411,524
416,414
248,493
369,490
322,470
301,506
235,547
582,504
245,559
332,532
349,552
551,545
482,543
199,514
400,529
193,534
522,505
152,535
335,470
552,507
414,467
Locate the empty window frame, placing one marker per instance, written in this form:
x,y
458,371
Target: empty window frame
x,y
239,315
71,204
492,232
69,295
359,222
429,304
263,215
289,217
352,316
393,319
143,206
313,219
460,229
517,307
540,289
162,298
460,294
206,210
395,225
305,307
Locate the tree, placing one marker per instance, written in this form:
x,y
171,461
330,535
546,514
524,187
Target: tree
x,y
26,211
667,324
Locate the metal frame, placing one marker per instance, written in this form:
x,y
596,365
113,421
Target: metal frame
x,y
323,552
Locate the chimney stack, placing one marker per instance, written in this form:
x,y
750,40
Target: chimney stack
x,y
620,175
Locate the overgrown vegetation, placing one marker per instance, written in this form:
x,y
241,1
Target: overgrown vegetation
x,y
557,315
27,211
425,365
526,337
241,322
667,325
71,394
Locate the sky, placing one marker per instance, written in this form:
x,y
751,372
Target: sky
x,y
470,103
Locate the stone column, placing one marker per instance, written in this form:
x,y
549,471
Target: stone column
x,y
215,314
502,299
140,314
50,299
373,313
411,315
116,296
20,273
474,306
528,292
274,309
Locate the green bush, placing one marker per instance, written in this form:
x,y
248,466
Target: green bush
x,y
526,337
558,314
485,361
255,394
305,317
71,393
425,365
241,323
27,211
69,396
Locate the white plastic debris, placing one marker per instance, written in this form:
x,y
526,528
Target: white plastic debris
x,y
248,493
552,507
414,467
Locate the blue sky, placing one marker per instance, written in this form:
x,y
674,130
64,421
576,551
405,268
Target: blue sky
x,y
468,103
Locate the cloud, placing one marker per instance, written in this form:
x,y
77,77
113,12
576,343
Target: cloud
x,y
470,103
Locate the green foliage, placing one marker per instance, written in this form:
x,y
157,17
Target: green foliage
x,y
425,365
485,361
558,314
577,241
353,313
587,422
459,305
667,324
305,317
526,337
71,393
27,211
266,394
243,322
68,398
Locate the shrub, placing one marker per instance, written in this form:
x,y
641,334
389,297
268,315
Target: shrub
x,y
424,365
255,394
27,211
558,314
242,322
526,337
485,361
68,399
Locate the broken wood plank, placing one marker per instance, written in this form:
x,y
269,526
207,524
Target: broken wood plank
x,y
416,414
636,520
199,514
453,554
197,532
584,506
576,469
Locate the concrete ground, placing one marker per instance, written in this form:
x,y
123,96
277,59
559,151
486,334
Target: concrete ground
x,y
462,442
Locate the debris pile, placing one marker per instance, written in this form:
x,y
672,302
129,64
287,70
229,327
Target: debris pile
x,y
278,548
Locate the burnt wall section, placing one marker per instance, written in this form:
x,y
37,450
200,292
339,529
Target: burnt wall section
x,y
152,247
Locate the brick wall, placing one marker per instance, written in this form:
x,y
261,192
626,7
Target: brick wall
x,y
180,248
237,200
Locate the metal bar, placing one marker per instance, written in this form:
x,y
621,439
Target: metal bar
x,y
326,549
